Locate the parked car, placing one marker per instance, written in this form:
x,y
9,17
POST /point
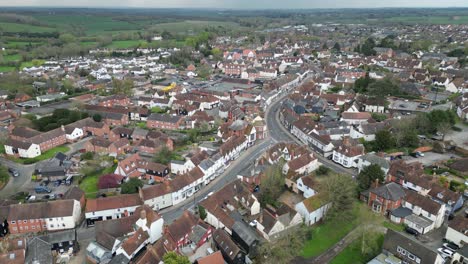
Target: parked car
x,y
411,231
253,223
451,246
444,251
42,189
13,172
57,183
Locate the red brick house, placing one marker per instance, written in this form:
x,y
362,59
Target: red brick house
x,y
165,121
102,145
385,198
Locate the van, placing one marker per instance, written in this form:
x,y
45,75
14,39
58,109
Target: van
x,y
209,251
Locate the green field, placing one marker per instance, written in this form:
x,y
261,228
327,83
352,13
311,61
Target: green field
x,y
326,235
7,68
17,27
126,44
430,19
90,24
353,254
11,57
193,26
88,43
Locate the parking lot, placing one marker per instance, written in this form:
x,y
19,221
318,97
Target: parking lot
x,y
430,158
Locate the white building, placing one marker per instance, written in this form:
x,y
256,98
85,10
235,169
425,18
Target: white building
x,y
113,207
312,210
457,231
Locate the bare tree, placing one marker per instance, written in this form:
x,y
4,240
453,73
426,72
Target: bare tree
x,y
444,128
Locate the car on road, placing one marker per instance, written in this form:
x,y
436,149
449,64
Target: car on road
x,y
411,231
13,172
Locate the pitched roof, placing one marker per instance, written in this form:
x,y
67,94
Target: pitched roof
x,y
394,239
459,223
301,161
113,202
215,258
182,225
390,191
50,209
426,203
226,244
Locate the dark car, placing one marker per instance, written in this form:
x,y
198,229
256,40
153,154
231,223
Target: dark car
x,y
411,231
14,172
57,183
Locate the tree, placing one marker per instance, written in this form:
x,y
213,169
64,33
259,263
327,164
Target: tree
x,y
204,71
368,47
272,184
87,155
174,258
97,117
202,212
383,140
444,128
284,249
322,170
107,181
131,186
368,231
124,87
164,156
340,191
336,47
369,175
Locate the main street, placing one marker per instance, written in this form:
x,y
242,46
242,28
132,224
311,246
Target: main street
x,y
276,133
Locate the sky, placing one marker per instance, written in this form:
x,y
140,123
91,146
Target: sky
x,y
239,4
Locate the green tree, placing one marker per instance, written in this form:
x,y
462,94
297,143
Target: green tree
x,y
368,176
204,71
383,140
340,191
336,47
87,155
97,117
131,186
174,258
284,249
67,38
272,184
164,156
4,175
368,47
322,170
202,212
123,86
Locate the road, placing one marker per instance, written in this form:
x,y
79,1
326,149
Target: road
x,y
276,133
22,182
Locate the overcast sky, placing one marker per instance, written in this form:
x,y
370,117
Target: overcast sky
x,y
238,4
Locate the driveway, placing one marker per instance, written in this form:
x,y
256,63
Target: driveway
x,y
430,158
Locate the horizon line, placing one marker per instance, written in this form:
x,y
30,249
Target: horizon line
x,y
227,8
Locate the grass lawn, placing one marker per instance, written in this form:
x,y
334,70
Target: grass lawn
x,y
326,235
90,183
393,226
7,68
12,57
27,64
353,255
44,156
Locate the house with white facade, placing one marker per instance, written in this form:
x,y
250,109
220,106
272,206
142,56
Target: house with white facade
x,y
22,149
113,207
307,185
273,221
457,231
347,154
312,209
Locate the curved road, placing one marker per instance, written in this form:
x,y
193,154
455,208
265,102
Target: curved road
x,y
276,133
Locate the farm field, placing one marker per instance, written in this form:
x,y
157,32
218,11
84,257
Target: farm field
x,y
17,27
193,25
7,68
125,44
90,24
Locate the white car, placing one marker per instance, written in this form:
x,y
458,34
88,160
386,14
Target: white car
x,y
445,252
253,223
450,246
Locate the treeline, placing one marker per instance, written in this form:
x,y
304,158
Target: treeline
x,y
58,118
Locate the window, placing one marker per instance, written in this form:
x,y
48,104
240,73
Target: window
x,y
13,222
411,256
25,221
33,227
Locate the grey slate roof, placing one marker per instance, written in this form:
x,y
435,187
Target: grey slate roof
x,y
390,191
374,159
38,251
394,239
401,212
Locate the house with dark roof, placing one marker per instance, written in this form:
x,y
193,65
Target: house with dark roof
x,y
457,231
385,198
113,207
401,248
165,121
229,249
273,221
452,200
38,251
